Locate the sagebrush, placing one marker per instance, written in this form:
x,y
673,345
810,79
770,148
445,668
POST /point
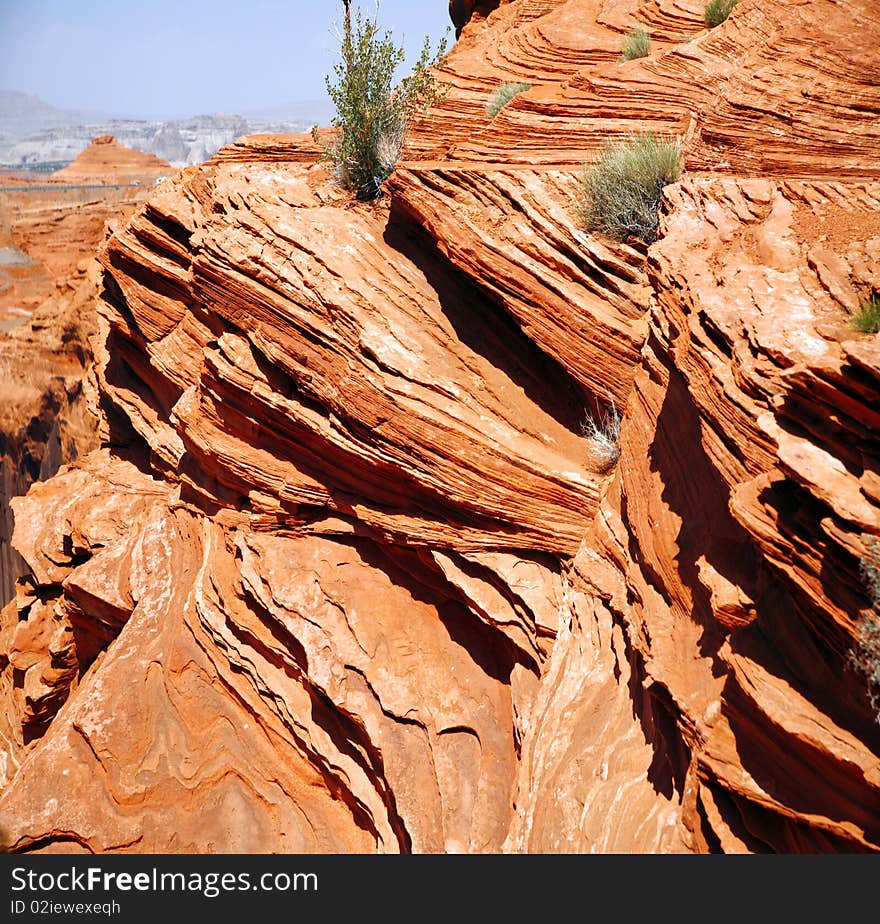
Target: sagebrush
x,y
865,655
716,11
372,114
619,192
603,431
867,319
503,95
637,44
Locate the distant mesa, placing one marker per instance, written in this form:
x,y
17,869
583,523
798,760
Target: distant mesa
x,y
105,160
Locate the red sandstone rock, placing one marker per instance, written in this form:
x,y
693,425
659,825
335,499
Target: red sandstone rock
x,y
356,545
738,485
44,419
49,282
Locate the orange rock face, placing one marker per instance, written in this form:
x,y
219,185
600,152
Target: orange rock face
x,y
44,418
49,283
346,574
47,235
726,551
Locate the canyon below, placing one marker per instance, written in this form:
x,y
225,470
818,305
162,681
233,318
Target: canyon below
x,y
305,543
39,137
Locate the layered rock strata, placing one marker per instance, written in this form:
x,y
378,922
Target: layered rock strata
x,y
347,574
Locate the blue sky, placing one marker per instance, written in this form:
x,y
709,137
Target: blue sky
x,y
173,58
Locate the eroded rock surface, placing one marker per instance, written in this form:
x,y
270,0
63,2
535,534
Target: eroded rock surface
x,y
346,576
733,530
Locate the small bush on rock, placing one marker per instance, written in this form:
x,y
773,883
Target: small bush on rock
x,y
865,656
619,193
603,431
867,319
503,95
637,44
372,115
716,11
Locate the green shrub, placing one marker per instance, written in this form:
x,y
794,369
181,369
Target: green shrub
x,y
372,115
619,193
865,656
716,11
867,319
637,44
503,95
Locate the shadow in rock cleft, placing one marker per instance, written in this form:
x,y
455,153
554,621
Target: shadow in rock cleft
x,y
656,712
694,491
486,328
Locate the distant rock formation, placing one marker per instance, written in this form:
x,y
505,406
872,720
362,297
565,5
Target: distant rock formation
x,y
23,113
42,137
106,160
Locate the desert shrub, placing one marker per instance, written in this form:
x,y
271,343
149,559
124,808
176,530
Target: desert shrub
x,y
716,11
637,44
503,95
603,431
619,193
865,655
867,319
372,115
